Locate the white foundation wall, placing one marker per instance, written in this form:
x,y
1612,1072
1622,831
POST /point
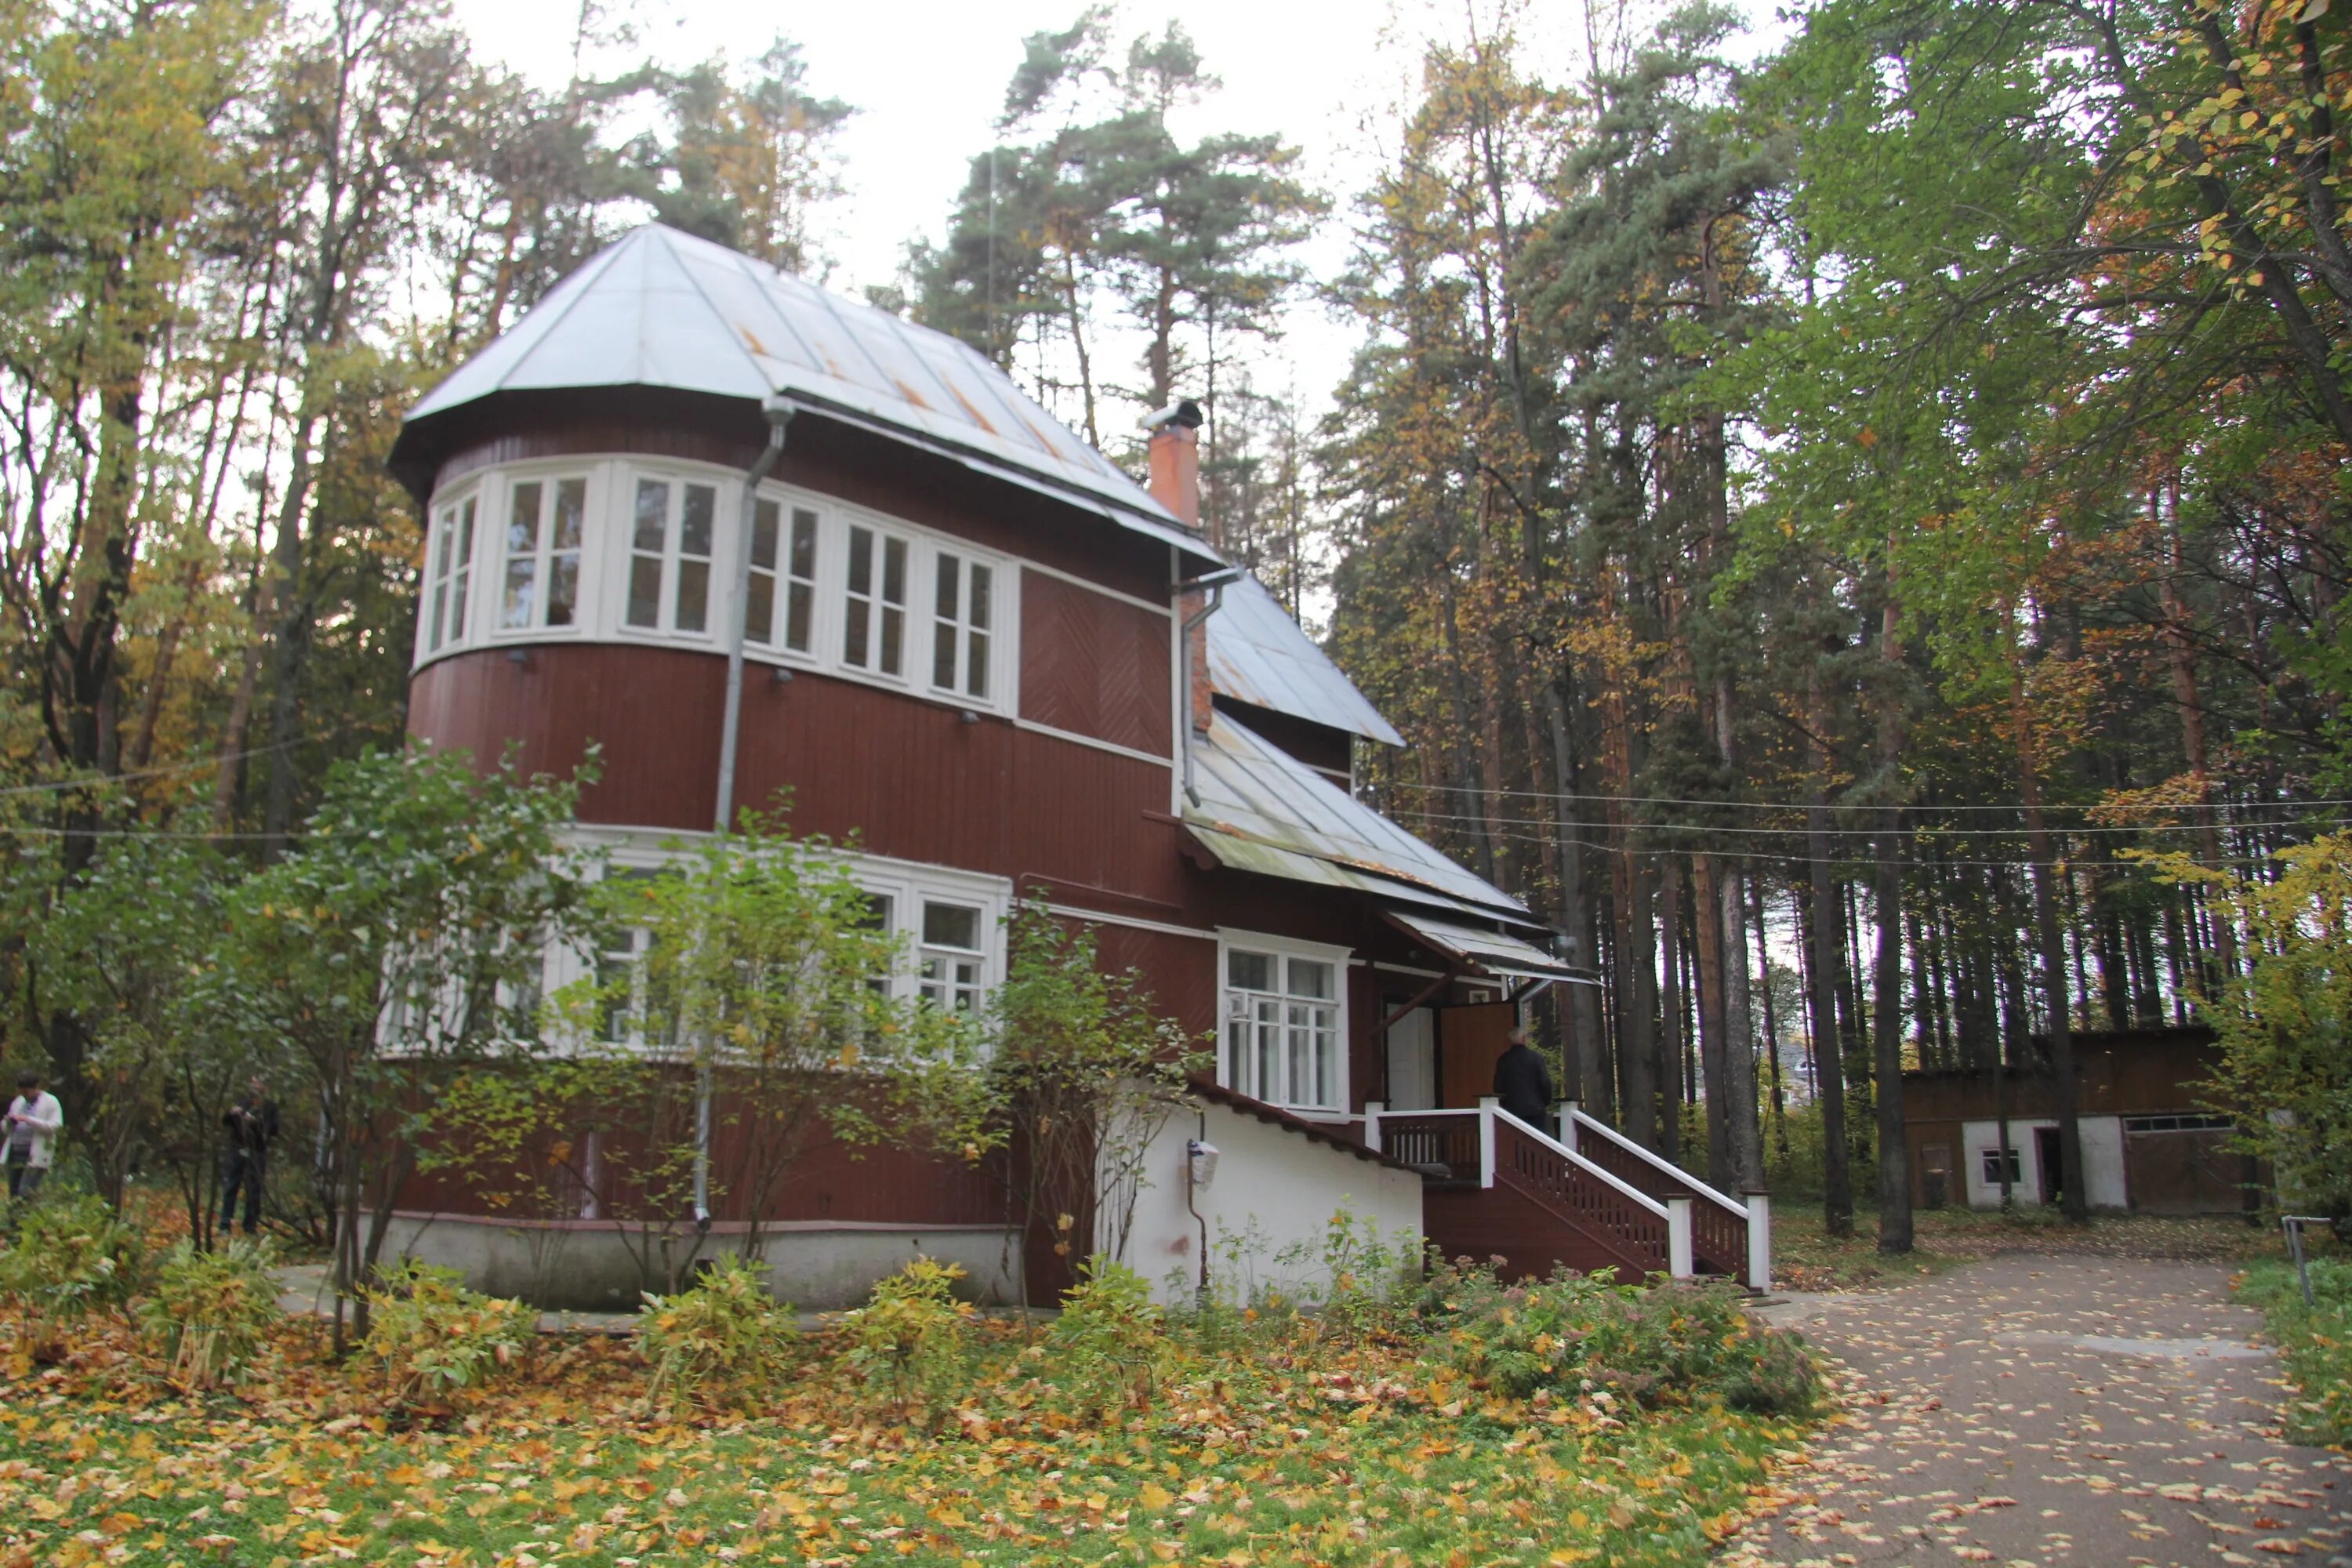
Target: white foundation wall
x,y
2103,1160
1275,1192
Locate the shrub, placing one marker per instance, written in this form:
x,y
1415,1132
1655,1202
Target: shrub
x,y
434,1337
725,1332
1361,1276
1111,1339
1661,1344
69,1257
912,1336
2315,1342
211,1313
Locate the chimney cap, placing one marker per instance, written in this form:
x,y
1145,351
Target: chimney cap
x,y
1183,413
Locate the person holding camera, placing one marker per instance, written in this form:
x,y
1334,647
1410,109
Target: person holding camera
x,y
252,1124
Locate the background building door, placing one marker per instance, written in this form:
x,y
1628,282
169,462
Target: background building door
x,y
2047,1153
1469,1039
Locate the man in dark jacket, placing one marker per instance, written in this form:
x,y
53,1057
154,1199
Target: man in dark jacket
x,y
252,1124
1523,1083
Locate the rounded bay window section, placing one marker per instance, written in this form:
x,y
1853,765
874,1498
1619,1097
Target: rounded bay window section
x,y
629,551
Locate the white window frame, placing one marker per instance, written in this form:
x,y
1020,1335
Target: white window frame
x,y
443,619
549,477
672,560
784,578
1283,948
879,608
951,613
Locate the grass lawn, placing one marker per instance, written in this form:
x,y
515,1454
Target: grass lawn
x,y
2315,1342
1290,1447
1806,1258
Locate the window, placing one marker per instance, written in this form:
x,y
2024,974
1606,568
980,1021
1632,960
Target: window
x,y
960,631
797,572
452,570
545,522
951,957
2184,1122
1284,1027
625,984
670,538
1992,1168
875,634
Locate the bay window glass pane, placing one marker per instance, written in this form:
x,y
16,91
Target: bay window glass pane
x,y
759,603
983,582
649,542
563,563
976,672
947,596
698,508
563,588
800,602
462,573
950,925
695,520
1249,971
857,633
693,595
1310,977
653,516
522,556
433,621
645,591
893,600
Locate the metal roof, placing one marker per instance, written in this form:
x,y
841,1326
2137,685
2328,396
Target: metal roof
x,y
1262,810
1487,951
659,308
1258,655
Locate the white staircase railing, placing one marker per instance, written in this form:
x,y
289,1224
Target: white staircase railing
x,y
1753,1214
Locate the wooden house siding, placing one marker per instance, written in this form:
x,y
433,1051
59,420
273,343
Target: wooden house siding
x,y
1095,665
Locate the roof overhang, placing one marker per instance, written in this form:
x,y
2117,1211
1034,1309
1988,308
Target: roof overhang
x,y
1495,955
1237,852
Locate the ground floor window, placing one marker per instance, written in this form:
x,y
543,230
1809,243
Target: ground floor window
x,y
1285,1039
1992,1167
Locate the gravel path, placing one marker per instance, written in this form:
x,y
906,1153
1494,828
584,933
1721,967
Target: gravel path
x,y
2031,1410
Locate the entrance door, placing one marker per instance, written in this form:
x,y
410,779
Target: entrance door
x,y
2048,1150
1469,1040
1412,1061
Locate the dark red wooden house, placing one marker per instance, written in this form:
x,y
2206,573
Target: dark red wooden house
x,y
980,647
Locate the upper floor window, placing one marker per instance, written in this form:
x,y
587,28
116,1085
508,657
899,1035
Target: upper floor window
x,y
794,569
873,625
672,531
614,547
452,572
546,523
1285,1039
963,590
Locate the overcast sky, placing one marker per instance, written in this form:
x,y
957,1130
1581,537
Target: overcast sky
x,y
928,77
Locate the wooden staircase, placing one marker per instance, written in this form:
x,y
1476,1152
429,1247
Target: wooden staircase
x,y
1589,1199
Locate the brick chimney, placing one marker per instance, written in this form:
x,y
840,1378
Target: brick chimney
x,y
1175,452
1176,460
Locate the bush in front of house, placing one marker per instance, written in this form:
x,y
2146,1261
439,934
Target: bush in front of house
x,y
2314,1342
69,1257
727,1333
435,1339
1112,1342
1574,1335
209,1313
912,1338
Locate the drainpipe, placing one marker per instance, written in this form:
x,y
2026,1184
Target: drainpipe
x,y
779,412
739,606
1189,628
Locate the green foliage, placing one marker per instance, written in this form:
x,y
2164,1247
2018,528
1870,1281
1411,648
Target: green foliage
x,y
913,1337
1364,1282
2315,1342
433,1338
726,1332
69,1257
1111,1341
1084,1071
210,1314
2287,1054
1579,1336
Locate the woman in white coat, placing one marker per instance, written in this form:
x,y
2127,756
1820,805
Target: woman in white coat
x,y
34,1119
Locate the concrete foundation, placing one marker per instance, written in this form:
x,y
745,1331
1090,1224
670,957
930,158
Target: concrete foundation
x,y
591,1267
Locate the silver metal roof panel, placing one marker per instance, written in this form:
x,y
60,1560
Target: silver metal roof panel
x,y
1271,811
1258,655
659,308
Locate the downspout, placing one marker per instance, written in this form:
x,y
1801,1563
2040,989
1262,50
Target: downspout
x,y
780,414
1189,628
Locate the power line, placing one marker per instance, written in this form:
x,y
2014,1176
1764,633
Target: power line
x,y
1922,832
2018,806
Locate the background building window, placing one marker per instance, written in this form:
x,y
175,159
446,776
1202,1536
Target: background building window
x,y
1282,1033
545,522
960,629
1992,1168
453,572
875,634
